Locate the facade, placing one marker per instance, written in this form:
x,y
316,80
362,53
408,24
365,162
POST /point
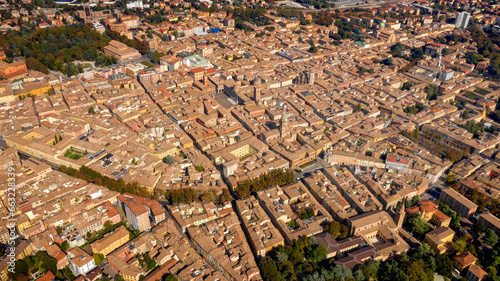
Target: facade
x,y
137,215
439,239
491,221
111,241
258,227
429,212
397,162
476,273
121,51
80,262
13,71
464,260
457,202
462,20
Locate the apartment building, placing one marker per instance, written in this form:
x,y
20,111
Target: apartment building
x,y
439,238
80,262
136,213
111,241
457,202
429,212
491,221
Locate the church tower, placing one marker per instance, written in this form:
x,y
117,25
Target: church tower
x,y
256,94
311,77
283,125
400,216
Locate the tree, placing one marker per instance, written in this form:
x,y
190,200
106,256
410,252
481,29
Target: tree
x,y
157,56
108,225
406,85
225,196
313,49
59,230
465,114
317,253
199,168
432,92
171,278
450,178
444,265
333,228
269,270
491,238
64,245
169,160
417,225
91,110
415,271
459,245
342,272
98,258
20,268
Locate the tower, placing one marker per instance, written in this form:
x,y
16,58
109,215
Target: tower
x,y
311,77
400,216
438,64
256,95
86,10
283,125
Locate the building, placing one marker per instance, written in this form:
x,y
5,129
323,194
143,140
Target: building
x,y
457,202
258,227
13,71
197,213
397,162
476,273
285,206
222,243
464,260
80,262
462,20
35,88
439,238
378,229
111,241
491,221
56,252
446,75
121,51
339,248
429,212
22,249
358,257
136,214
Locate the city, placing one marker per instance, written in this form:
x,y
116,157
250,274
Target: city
x,y
350,140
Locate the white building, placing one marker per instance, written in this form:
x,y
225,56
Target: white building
x,y
80,262
135,5
462,20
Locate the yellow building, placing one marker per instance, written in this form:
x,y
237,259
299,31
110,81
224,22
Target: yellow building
x,y
439,238
111,242
34,89
21,249
464,260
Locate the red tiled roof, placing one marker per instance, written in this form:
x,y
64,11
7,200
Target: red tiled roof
x,y
466,258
